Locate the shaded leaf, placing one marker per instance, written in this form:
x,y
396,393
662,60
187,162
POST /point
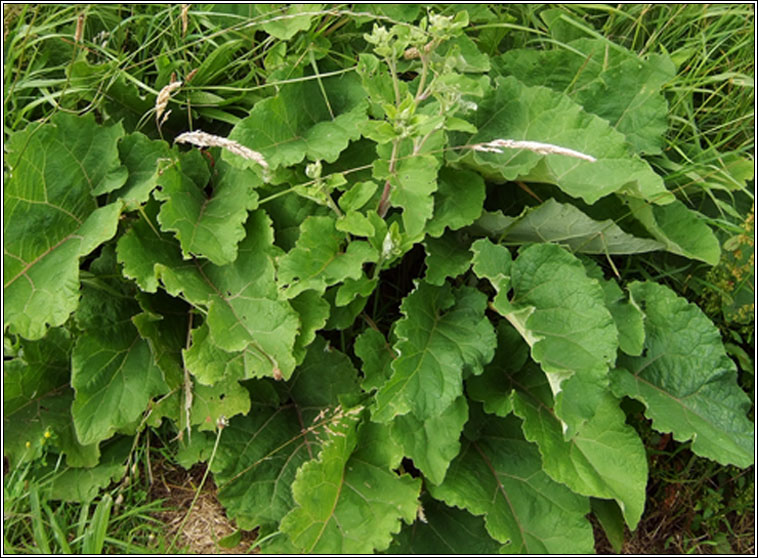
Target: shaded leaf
x,y
83,484
626,315
499,475
113,370
564,224
259,453
494,386
444,530
37,399
446,256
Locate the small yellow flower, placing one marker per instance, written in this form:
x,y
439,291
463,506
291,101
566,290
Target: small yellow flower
x,y
47,434
28,445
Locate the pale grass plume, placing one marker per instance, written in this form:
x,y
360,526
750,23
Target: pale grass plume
x,y
204,139
185,9
496,146
161,102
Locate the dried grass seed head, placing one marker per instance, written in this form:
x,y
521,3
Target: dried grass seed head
x,y
204,139
161,102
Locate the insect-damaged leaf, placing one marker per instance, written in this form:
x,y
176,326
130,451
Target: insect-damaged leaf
x,y
685,378
605,459
51,217
561,314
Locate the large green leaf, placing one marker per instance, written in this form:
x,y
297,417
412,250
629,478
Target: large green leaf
x,y
605,459
516,111
680,229
113,370
561,314
206,226
301,121
37,399
443,335
320,258
413,181
685,379
564,224
51,216
412,177
348,502
499,475
260,453
617,85
225,398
